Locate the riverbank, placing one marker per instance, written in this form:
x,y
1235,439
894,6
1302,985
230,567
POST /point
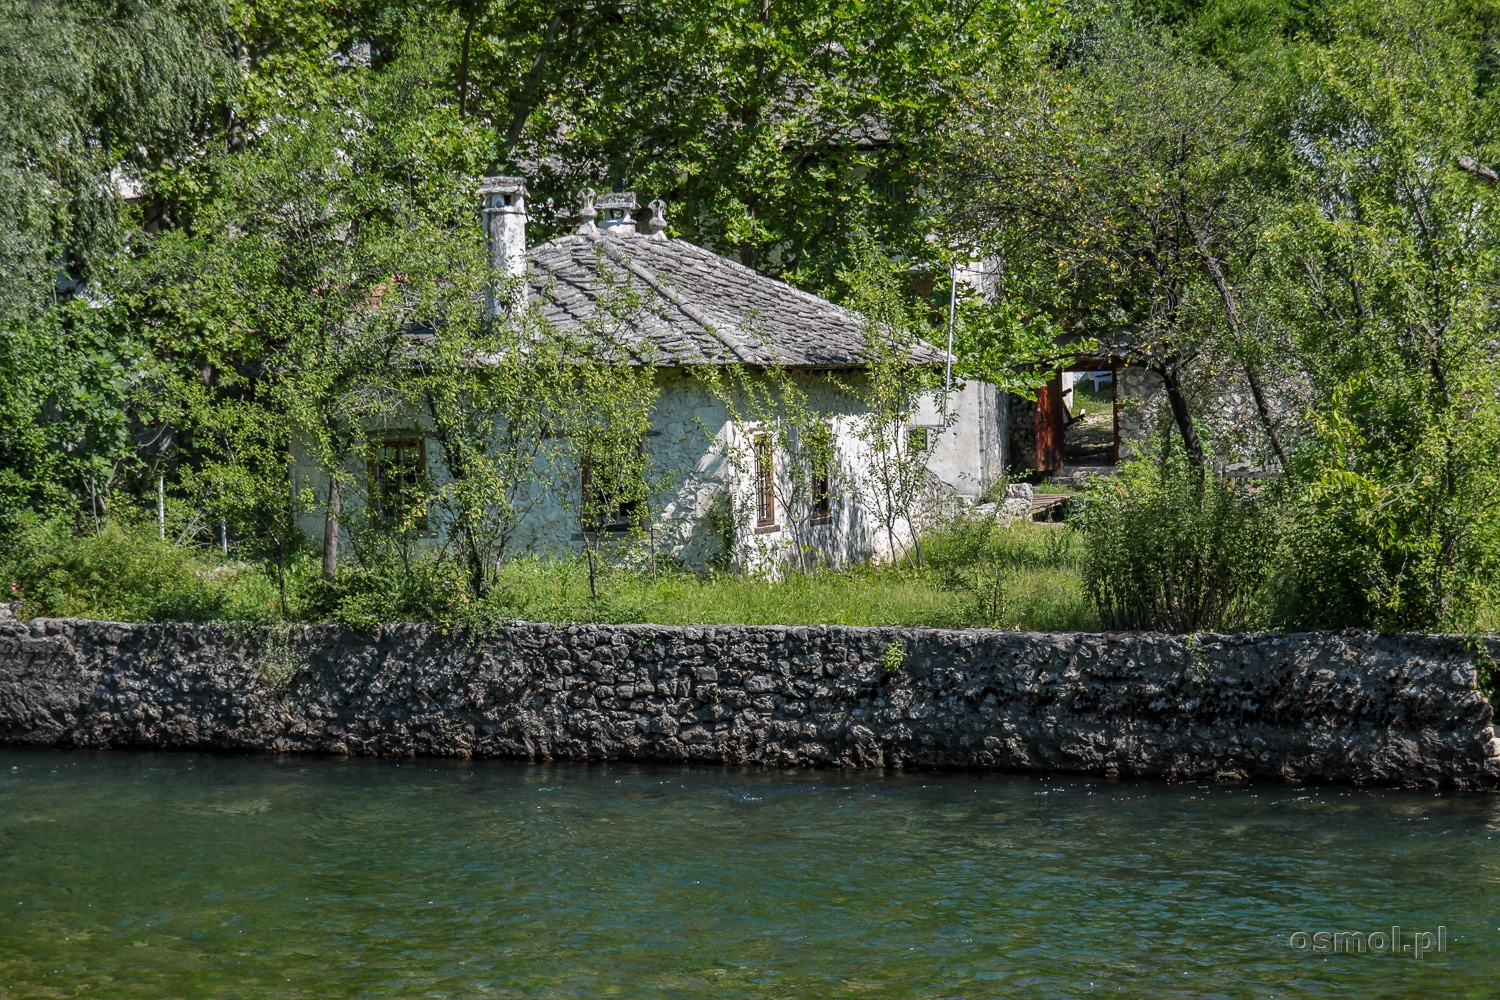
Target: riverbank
x,y
1320,706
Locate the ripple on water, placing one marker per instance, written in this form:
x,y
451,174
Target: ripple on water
x,y
158,875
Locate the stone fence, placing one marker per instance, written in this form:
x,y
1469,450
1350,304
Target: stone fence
x,y
1346,706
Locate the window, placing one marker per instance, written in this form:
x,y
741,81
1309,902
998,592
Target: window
x,y
822,498
597,505
820,457
398,474
765,483
916,440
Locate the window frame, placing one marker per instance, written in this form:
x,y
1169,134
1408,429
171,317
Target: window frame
x,y
821,479
381,514
765,483
628,515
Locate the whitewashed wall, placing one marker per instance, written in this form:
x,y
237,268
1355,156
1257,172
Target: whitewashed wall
x,y
702,448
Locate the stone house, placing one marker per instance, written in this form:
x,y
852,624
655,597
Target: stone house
x,y
730,497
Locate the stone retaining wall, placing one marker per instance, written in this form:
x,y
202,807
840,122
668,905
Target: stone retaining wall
x,y
1350,706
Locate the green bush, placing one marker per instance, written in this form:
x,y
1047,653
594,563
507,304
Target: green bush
x,y
387,588
127,574
1175,551
1328,559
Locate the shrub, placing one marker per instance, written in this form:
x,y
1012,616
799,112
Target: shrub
x,y
1328,559
126,574
1175,551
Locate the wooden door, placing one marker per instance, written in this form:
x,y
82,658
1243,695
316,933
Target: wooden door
x,y
1049,426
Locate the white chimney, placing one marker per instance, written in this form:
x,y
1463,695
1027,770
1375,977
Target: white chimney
x,y
504,200
617,213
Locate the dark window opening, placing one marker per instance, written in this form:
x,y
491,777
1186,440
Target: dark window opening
x,y
620,516
822,474
398,476
822,505
917,439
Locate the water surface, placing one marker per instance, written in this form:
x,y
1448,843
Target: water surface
x,y
184,875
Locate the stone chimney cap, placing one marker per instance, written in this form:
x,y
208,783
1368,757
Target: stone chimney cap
x,y
587,213
616,211
503,185
619,200
658,223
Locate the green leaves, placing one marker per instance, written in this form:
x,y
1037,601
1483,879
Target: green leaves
x,y
1171,551
1388,269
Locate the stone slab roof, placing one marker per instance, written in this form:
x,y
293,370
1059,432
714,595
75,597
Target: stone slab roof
x,y
670,302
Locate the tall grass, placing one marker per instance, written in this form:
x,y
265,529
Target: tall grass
x,y
1021,576
980,575
122,574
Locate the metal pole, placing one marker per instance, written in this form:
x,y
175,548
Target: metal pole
x,y
161,506
948,358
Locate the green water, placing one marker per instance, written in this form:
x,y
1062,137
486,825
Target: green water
x,y
186,875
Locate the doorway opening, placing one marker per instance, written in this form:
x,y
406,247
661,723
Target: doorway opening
x,y
1076,420
1090,435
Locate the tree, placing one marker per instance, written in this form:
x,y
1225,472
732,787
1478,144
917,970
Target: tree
x,y
92,95
281,315
1388,273
893,480
777,128
494,393
606,429
1121,185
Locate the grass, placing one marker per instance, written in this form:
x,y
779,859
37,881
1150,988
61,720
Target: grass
x,y
979,575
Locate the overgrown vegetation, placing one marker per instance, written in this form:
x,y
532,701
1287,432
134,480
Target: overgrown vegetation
x,y
129,574
1298,200
1171,549
234,231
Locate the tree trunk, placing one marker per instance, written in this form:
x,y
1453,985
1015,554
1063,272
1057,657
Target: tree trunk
x,y
476,563
1232,317
528,91
588,549
463,61
1258,393
331,527
1172,381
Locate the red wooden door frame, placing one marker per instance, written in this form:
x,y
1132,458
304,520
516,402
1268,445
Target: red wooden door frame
x,y
1049,426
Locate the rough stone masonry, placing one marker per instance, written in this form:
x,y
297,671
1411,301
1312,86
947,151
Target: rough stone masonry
x,y
1347,706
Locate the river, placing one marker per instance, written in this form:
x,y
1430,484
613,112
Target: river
x,y
160,875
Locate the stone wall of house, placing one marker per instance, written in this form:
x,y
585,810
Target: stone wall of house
x,y
1350,706
968,437
1224,411
1021,433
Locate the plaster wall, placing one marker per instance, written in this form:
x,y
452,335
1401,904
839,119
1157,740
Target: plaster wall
x,y
701,450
